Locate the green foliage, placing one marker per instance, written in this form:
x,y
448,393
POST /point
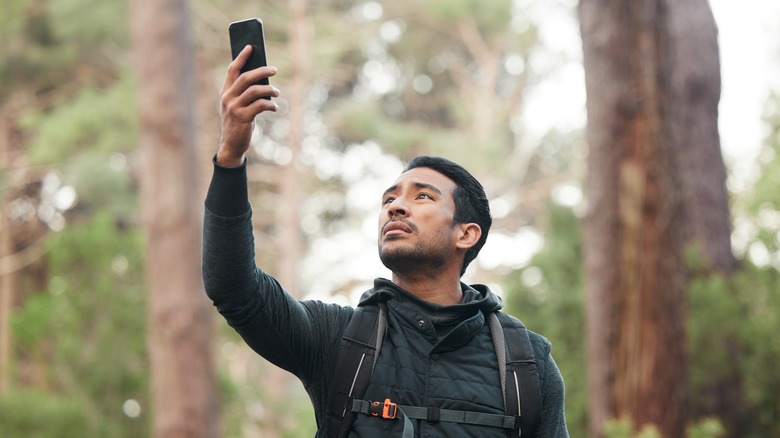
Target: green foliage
x,y
489,16
707,428
34,59
761,204
712,303
303,415
90,23
88,327
547,296
765,191
456,47
33,414
79,344
103,186
11,20
407,138
33,322
624,429
759,298
96,121
732,331
734,321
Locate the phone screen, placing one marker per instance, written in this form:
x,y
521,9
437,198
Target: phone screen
x,y
249,32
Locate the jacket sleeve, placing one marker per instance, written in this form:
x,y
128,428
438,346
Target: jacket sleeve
x,y
296,336
553,396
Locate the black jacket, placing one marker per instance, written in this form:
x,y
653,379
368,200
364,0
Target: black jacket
x,y
432,356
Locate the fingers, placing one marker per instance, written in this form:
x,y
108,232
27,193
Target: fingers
x,y
242,97
234,69
248,84
244,80
245,91
241,101
246,106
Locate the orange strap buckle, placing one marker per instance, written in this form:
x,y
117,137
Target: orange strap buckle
x,y
389,409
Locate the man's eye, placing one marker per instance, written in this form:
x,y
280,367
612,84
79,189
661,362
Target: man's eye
x,y
424,196
388,200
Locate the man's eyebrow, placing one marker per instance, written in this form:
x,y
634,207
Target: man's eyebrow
x,y
417,185
431,187
390,190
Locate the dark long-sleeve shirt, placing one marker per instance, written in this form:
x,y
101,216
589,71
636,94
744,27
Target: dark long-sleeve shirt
x,y
303,337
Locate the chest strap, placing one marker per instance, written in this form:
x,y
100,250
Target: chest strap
x,y
360,348
390,410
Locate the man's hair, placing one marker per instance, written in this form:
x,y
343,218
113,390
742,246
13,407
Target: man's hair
x,y
471,203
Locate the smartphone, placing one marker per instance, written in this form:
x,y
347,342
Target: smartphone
x,y
249,32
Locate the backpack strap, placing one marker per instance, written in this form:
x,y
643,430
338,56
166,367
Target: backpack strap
x,y
360,348
362,342
518,372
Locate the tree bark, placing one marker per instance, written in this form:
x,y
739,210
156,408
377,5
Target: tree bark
x,y
180,327
656,182
11,261
289,240
7,276
301,34
695,87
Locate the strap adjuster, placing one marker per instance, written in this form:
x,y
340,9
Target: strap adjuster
x,y
388,409
434,414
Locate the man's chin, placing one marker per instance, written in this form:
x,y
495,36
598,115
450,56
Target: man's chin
x,y
397,259
407,259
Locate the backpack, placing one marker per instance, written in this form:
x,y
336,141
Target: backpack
x,y
360,347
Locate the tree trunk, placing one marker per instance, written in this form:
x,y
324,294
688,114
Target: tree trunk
x,y
14,176
695,86
7,294
695,90
7,275
301,33
656,181
289,240
180,327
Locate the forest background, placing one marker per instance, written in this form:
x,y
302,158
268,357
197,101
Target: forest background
x,y
495,85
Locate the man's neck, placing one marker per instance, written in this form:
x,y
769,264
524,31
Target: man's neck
x,y
443,290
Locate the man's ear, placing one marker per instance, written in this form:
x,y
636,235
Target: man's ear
x,y
468,235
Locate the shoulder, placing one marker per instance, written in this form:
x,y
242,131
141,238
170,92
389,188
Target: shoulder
x,y
540,344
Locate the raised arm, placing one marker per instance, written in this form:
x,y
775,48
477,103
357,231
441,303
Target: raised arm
x,y
296,336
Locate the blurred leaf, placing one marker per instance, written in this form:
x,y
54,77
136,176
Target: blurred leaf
x,y
96,121
35,414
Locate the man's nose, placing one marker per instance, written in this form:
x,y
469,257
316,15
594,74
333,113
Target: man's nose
x,y
397,208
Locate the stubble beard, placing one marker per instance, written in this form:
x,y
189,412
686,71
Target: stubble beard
x,y
402,258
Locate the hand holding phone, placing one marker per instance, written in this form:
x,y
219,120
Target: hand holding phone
x,y
249,32
240,103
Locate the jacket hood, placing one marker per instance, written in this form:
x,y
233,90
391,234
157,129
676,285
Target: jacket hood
x,y
477,296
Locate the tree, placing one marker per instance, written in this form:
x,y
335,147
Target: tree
x,y
180,328
655,183
289,238
8,254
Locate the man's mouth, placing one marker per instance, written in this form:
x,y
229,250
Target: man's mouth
x,y
396,227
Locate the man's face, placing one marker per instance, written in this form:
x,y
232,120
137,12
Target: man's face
x,y
416,224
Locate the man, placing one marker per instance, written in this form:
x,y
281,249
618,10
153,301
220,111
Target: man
x,y
437,352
